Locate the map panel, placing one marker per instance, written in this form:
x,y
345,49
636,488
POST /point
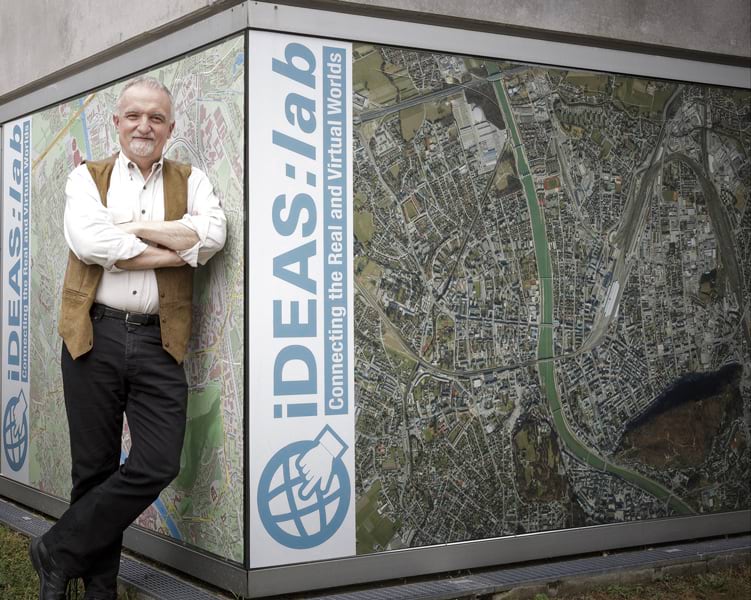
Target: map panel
x,y
204,505
552,323
552,298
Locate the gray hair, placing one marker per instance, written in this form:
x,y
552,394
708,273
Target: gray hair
x,y
150,82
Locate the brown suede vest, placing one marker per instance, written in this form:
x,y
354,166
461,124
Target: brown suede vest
x,y
175,284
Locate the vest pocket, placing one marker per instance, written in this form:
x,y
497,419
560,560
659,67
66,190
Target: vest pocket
x,y
75,324
73,297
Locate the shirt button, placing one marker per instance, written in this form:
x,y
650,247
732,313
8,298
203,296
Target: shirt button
x,y
161,295
134,292
143,211
166,344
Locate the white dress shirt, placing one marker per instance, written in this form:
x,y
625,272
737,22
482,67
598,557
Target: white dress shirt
x,y
92,234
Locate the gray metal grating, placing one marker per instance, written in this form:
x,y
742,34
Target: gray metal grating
x,y
133,573
158,583
501,579
21,520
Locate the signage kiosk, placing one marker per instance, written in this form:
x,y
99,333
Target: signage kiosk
x,y
484,299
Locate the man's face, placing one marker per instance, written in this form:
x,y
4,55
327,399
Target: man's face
x,y
143,123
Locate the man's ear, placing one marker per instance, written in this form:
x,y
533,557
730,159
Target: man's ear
x,y
171,127
116,120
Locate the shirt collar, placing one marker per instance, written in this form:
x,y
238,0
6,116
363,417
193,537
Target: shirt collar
x,y
128,164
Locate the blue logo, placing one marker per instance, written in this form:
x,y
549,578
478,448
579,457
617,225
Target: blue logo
x,y
304,491
16,431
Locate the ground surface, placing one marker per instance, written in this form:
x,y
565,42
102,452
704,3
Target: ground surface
x,y
728,584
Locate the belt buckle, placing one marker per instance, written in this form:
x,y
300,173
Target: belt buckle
x,y
128,321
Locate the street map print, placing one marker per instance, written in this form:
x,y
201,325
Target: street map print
x,y
204,505
552,287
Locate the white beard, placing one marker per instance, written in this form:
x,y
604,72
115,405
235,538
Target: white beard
x,y
142,147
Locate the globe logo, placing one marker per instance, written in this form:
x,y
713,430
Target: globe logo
x,y
293,520
16,432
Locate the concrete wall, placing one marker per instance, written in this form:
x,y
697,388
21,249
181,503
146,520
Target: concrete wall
x,y
42,40
40,37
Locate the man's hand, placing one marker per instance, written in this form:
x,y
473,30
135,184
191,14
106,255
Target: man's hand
x,y
168,234
151,258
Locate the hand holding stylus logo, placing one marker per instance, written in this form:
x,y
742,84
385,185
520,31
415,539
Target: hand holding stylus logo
x,y
316,465
304,491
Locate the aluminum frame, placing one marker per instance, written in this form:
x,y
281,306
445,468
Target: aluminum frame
x,y
439,38
455,556
375,29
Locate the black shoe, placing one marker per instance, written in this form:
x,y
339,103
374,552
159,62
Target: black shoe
x,y
52,581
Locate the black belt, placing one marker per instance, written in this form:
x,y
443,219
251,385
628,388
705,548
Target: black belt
x,y
132,318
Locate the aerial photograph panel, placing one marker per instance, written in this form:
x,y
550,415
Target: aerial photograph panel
x,y
551,293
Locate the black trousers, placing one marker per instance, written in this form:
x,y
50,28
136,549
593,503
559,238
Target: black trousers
x,y
127,371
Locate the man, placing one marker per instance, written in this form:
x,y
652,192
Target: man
x,y
137,225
